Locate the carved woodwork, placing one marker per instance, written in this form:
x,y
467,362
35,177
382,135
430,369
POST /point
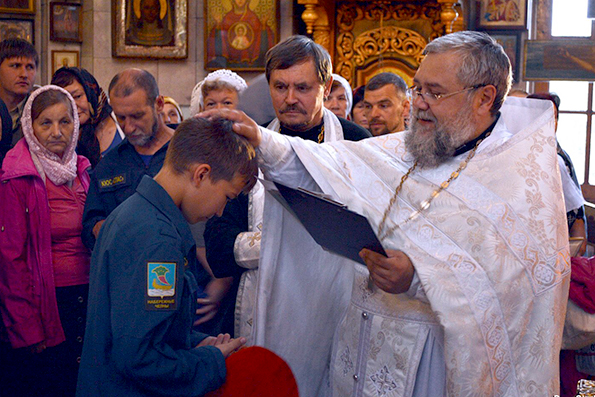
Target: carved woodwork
x,y
388,32
368,36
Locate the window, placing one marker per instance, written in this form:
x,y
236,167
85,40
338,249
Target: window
x,y
569,19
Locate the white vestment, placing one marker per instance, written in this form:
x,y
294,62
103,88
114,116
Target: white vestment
x,y
247,244
490,255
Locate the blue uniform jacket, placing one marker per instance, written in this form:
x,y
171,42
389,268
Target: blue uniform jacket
x,y
139,339
113,180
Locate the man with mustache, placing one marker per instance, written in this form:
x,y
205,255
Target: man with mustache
x,y
134,96
18,67
471,297
386,103
299,74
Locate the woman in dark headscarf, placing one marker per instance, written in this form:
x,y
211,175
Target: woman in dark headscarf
x,y
99,130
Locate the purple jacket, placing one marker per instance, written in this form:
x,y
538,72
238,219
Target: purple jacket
x,y
27,292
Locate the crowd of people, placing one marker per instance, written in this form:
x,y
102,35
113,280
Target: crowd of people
x,y
140,250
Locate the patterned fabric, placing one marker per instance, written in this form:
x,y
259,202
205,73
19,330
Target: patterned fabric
x,y
247,245
491,255
48,164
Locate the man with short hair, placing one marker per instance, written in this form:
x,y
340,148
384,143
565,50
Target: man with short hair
x,y
18,67
471,297
299,73
386,103
134,96
142,300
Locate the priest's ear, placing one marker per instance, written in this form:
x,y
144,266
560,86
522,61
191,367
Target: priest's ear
x,y
484,100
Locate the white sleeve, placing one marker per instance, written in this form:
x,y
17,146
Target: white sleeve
x,y
573,197
246,249
416,290
279,162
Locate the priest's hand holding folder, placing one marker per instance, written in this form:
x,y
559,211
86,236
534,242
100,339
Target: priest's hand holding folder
x,y
392,274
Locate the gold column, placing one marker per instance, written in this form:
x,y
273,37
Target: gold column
x,y
448,14
309,16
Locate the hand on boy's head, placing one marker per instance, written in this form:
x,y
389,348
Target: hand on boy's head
x,y
242,124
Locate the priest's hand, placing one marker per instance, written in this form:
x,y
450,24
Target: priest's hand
x,y
242,124
392,274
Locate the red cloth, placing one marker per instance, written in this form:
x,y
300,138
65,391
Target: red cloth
x,y
257,372
70,257
582,283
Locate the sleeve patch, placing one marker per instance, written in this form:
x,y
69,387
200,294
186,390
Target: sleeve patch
x,y
112,182
161,286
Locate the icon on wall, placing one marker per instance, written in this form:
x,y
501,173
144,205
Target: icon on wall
x,y
238,33
155,29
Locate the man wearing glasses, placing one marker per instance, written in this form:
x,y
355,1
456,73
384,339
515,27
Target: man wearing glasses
x,y
471,297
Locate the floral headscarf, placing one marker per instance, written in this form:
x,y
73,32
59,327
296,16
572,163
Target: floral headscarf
x,y
48,164
99,109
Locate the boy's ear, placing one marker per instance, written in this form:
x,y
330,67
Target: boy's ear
x,y
200,173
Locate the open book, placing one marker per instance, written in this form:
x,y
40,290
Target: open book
x,y
334,227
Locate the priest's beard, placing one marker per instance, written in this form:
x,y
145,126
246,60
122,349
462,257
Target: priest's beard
x,y
433,146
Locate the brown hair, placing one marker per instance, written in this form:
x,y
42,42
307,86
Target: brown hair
x,y
297,50
202,141
46,99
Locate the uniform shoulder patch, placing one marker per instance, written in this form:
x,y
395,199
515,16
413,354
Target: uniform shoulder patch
x,y
161,286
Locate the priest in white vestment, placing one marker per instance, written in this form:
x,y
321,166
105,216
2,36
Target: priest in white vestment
x,y
468,205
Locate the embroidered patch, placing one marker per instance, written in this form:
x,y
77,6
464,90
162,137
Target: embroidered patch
x,y
115,181
161,286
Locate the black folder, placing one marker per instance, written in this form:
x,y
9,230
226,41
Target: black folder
x,y
331,224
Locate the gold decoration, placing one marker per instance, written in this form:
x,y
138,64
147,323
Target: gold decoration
x,y
322,30
585,388
388,39
309,16
401,32
447,15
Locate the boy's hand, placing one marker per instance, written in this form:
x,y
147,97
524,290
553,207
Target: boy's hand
x,y
224,343
242,124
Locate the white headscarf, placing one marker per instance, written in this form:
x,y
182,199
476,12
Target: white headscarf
x,y
231,78
348,92
48,164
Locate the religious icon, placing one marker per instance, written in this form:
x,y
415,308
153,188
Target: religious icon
x,y
17,29
150,23
62,58
65,22
239,33
509,14
156,29
570,59
18,6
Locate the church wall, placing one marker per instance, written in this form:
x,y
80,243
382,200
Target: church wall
x,y
176,78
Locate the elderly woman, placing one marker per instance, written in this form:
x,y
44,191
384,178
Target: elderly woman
x,y
44,276
220,89
340,99
172,114
99,130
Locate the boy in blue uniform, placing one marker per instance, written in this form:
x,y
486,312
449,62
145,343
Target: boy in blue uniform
x,y
142,298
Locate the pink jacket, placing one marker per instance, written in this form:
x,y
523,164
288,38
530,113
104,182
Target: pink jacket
x,y
27,292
